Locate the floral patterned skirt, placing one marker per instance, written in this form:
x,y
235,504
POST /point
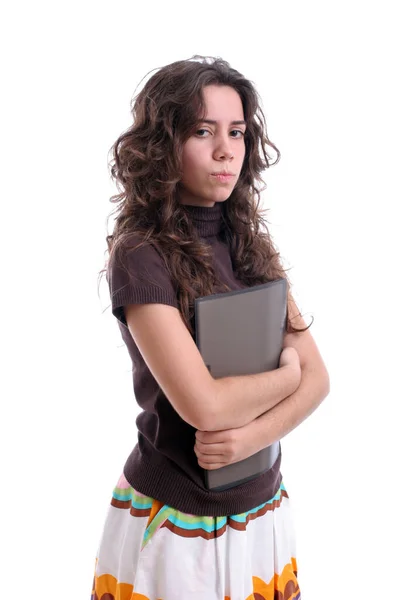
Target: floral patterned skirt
x,y
151,551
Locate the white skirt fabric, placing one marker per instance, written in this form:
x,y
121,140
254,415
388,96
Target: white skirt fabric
x,y
151,551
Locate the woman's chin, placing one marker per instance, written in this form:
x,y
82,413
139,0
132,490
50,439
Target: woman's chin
x,y
221,196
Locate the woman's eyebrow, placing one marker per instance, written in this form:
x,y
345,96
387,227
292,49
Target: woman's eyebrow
x,y
211,122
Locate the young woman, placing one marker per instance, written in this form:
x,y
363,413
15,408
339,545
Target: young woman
x,y
188,225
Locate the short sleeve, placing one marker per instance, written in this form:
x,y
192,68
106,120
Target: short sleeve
x,y
138,276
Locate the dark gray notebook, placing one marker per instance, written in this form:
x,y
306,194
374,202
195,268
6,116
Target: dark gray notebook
x,y
241,333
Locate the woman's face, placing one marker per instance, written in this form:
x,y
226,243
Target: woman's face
x,y
216,146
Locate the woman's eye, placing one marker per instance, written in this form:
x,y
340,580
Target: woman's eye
x,y
199,132
238,132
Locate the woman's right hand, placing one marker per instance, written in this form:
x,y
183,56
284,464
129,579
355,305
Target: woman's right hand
x,y
289,358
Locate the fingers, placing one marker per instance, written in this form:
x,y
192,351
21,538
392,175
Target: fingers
x,y
210,467
201,448
211,458
214,449
214,437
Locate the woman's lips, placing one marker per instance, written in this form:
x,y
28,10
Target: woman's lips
x,y
222,178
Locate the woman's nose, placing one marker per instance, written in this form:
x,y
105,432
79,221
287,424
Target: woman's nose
x,y
223,149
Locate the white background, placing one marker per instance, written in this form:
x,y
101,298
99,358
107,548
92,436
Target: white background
x,y
328,76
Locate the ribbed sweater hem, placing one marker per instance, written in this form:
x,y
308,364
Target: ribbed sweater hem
x,y
160,480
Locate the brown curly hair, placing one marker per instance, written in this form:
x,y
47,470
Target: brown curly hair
x,y
147,168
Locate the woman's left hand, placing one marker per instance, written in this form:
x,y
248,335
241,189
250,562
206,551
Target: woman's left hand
x,y
215,449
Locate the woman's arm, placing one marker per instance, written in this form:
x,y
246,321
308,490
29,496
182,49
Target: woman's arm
x,y
206,403
241,399
274,424
177,365
216,449
314,386
286,412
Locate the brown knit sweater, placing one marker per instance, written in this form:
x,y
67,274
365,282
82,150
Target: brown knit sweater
x,y
163,464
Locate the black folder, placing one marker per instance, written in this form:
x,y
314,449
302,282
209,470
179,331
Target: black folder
x,y
241,333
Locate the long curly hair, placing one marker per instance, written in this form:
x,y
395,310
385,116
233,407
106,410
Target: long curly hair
x,y
146,166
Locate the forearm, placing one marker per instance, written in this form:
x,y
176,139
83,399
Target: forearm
x,y
285,416
241,399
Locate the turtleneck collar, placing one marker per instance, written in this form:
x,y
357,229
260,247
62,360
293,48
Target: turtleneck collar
x,y
207,220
